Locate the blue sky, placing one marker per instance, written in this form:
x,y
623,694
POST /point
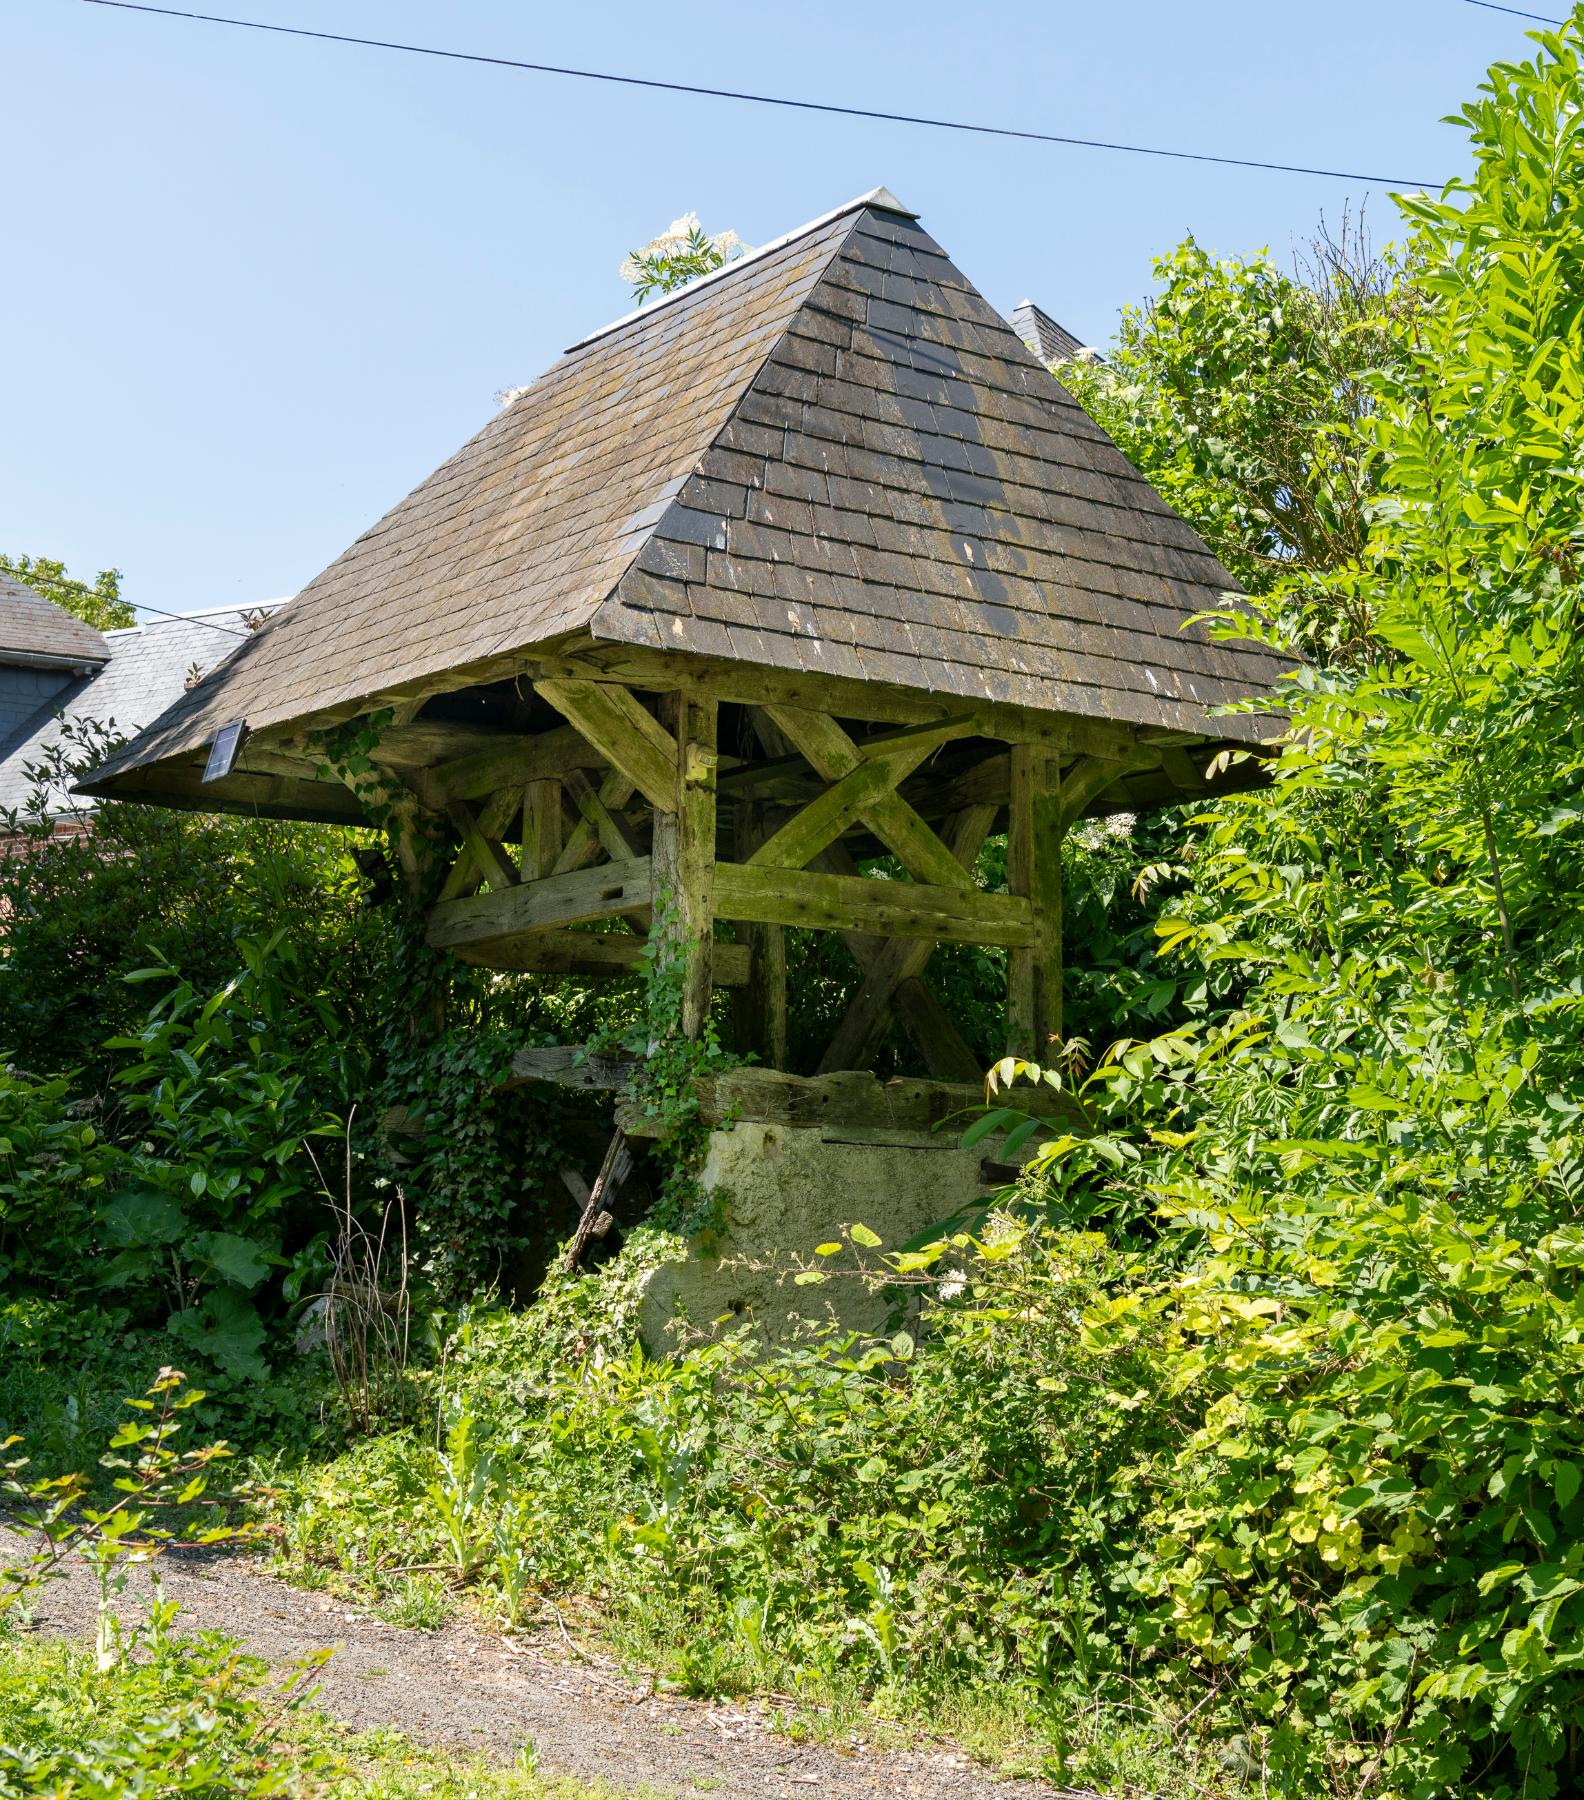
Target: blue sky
x,y
256,288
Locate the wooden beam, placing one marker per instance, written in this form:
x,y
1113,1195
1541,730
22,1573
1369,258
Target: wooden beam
x,y
544,756
601,893
542,828
863,1027
467,871
761,1006
823,820
488,855
858,903
583,845
617,724
943,1047
684,849
614,835
592,954
1034,838
1090,776
833,753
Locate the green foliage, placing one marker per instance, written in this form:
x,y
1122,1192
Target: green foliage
x,y
679,255
1242,391
666,1065
149,884
97,603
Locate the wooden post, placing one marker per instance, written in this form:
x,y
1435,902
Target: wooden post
x,y
684,848
541,828
1034,840
761,1003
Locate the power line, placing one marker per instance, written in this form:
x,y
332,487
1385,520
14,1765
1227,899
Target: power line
x,y
821,106
192,619
1491,6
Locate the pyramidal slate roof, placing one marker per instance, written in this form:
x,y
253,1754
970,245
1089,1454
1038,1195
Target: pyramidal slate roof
x,y
35,631
831,456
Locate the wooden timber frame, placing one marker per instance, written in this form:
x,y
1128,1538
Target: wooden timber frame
x,y
571,840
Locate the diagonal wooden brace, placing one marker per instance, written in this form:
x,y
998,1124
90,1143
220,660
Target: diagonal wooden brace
x,y
833,754
630,738
898,960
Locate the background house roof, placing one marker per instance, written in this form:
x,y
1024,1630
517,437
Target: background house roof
x,y
148,668
833,456
35,631
1050,341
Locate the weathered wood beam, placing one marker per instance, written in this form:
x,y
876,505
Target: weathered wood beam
x,y
945,1051
1088,778
488,854
601,893
864,1024
583,845
1035,829
684,849
543,756
423,743
561,951
615,836
834,754
844,697
761,1005
543,830
858,903
469,870
617,724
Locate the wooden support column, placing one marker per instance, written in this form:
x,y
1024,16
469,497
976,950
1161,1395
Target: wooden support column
x,y
1034,838
684,847
761,1004
541,828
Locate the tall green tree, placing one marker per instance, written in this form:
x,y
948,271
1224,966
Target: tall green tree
x,y
1244,391
97,603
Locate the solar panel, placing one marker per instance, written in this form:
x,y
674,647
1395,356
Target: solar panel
x,y
223,752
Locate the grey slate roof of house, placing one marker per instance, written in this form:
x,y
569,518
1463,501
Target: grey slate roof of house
x,y
1051,342
148,669
831,456
34,630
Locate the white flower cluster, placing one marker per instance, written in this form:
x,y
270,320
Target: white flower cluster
x,y
679,236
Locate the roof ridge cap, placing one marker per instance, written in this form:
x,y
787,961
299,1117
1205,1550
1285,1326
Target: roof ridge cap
x,y
881,198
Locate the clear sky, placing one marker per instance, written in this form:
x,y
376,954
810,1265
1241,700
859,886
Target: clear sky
x,y
256,289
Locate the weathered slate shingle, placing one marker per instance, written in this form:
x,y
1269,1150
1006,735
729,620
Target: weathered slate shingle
x,y
833,456
35,629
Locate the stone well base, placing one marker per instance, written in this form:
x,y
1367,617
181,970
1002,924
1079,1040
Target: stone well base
x,y
785,1188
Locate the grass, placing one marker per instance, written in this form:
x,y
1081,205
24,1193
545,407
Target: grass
x,y
153,1727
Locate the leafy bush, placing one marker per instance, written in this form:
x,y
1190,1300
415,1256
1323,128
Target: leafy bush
x,y
148,884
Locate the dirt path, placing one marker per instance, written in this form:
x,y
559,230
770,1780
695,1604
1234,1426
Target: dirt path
x,y
465,1689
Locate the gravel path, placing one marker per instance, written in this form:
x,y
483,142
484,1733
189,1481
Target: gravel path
x,y
465,1689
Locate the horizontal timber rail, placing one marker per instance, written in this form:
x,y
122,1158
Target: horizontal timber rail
x,y
752,895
